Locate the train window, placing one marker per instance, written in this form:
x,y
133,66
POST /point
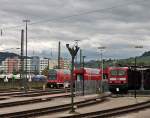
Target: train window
x,y
52,74
117,72
66,72
121,72
113,72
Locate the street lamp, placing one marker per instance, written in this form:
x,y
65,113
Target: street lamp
x,y
73,52
101,55
135,64
83,73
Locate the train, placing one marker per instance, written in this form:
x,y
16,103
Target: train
x,y
119,79
58,77
92,80
122,79
87,74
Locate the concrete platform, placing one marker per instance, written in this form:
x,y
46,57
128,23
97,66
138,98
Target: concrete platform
x,y
112,103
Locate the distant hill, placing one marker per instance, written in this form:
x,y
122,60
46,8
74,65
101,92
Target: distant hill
x,y
4,55
144,59
145,54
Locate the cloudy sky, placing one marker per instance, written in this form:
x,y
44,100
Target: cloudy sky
x,y
119,25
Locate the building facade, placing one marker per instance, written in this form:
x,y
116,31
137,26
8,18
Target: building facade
x,y
44,62
35,65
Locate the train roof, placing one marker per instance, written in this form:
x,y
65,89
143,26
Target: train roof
x,y
65,71
88,70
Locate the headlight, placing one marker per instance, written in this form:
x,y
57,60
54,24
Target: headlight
x,y
112,79
122,78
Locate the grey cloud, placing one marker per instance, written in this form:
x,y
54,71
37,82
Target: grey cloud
x,y
118,27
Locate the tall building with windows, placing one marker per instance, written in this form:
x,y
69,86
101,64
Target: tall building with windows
x,y
64,63
43,64
53,63
28,66
35,67
11,65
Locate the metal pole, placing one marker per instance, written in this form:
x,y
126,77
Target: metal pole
x,y
76,57
142,80
102,63
83,75
102,71
72,94
48,63
59,55
80,58
101,49
26,21
26,58
22,59
135,79
73,51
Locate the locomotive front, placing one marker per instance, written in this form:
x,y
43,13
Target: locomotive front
x,y
118,79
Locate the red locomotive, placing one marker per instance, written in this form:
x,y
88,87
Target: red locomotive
x,y
118,78
122,79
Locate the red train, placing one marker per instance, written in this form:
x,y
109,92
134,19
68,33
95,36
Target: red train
x,y
122,79
87,74
118,78
57,77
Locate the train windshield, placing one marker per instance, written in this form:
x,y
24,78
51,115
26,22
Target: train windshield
x,y
117,72
52,75
121,72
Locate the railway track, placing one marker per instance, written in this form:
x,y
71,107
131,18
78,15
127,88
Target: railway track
x,y
31,101
113,112
4,98
38,94
129,95
48,110
32,93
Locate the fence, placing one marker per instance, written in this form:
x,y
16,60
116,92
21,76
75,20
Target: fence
x,y
18,84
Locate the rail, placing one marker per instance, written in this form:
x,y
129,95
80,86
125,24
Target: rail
x,y
113,112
